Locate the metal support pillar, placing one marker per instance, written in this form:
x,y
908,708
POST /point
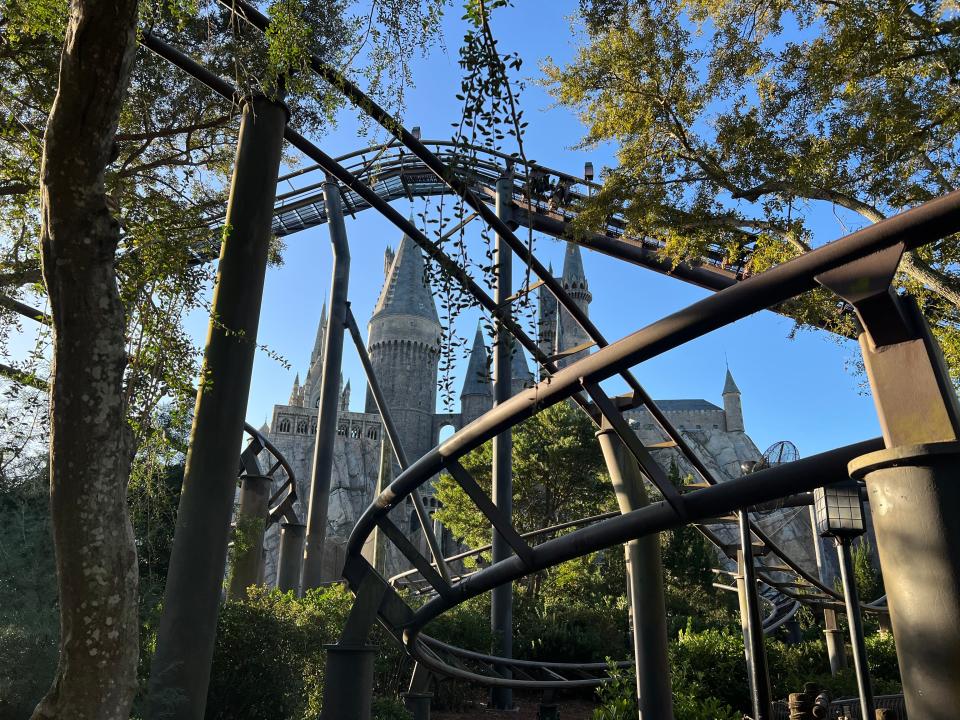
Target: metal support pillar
x,y
856,628
418,704
836,651
348,682
290,557
644,582
752,624
180,671
329,406
248,534
501,601
912,485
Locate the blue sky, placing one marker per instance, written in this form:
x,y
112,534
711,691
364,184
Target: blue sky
x,y
795,389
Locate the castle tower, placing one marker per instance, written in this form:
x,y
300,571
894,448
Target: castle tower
x,y
345,397
731,404
574,281
404,342
520,375
296,394
476,398
547,319
311,386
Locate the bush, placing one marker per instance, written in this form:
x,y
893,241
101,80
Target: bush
x,y
269,658
571,633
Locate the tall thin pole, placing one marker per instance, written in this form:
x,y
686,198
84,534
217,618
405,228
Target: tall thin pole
x,y
329,406
756,653
501,602
836,652
180,671
855,622
644,583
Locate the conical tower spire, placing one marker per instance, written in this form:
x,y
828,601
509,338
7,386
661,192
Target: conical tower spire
x,y
318,343
732,405
477,381
729,386
405,291
573,274
520,375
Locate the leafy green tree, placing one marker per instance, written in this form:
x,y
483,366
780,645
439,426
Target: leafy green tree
x,y
736,124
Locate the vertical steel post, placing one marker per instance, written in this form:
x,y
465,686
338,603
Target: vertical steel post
x,y
856,628
501,602
180,671
290,557
913,488
248,535
836,651
329,405
754,649
644,582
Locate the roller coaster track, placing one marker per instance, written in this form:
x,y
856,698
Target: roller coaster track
x,y
394,174
377,599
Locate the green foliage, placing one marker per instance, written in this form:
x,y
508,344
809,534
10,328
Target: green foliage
x,y
617,699
737,125
687,706
29,624
558,475
389,708
269,657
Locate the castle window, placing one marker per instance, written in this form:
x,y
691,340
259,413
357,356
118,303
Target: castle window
x,y
355,431
313,426
372,432
716,427
285,425
302,426
342,429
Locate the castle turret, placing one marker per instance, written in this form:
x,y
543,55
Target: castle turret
x,y
296,394
311,386
403,341
731,404
574,281
345,397
547,319
520,375
476,398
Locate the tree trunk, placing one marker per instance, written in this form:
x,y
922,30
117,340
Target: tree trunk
x,y
90,442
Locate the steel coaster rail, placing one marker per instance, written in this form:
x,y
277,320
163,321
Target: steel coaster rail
x,y
227,91
565,389
462,189
930,221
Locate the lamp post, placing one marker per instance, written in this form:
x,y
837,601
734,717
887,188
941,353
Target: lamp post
x,y
839,513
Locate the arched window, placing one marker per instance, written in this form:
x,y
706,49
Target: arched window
x,y
372,433
301,426
285,425
342,429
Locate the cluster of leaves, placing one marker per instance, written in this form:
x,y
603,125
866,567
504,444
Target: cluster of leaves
x,y
29,624
736,125
577,610
269,658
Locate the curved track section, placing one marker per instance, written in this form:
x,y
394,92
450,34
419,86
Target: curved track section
x,y
924,224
